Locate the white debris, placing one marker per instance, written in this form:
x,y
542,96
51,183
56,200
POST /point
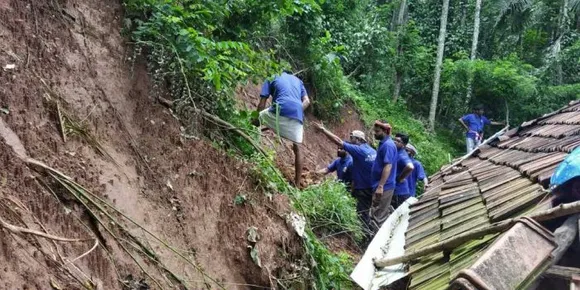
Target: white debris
x,y
9,66
298,222
389,242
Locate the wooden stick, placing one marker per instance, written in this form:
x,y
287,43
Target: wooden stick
x,y
20,230
219,121
561,272
556,212
87,252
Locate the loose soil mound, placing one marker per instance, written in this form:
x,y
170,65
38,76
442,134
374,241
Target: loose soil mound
x,y
72,67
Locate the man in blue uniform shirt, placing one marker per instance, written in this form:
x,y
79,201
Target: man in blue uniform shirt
x,y
286,115
474,124
363,157
342,166
404,169
383,174
418,173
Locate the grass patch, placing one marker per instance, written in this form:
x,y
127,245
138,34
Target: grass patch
x,y
329,207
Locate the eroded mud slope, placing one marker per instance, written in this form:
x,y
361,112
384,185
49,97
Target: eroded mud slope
x,y
67,71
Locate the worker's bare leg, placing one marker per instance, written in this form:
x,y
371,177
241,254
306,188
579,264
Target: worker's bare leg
x,y
297,164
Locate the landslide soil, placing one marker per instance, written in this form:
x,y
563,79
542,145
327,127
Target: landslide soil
x,y
72,51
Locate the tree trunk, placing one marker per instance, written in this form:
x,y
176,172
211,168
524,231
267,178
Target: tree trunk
x,y
398,80
473,49
562,27
438,64
463,15
398,70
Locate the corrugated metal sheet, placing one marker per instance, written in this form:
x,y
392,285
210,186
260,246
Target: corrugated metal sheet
x,y
503,181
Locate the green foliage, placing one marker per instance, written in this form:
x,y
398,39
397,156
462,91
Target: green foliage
x,y
331,271
326,206
329,207
189,53
351,51
240,199
433,150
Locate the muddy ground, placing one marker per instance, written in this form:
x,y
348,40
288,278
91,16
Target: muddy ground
x,y
67,59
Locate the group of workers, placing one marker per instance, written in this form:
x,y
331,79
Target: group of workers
x,y
381,179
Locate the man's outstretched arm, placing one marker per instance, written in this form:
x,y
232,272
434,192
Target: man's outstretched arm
x,y
329,134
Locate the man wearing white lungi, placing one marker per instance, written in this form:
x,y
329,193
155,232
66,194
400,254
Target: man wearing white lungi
x,y
286,115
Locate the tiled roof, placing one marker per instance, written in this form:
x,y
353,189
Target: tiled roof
x,y
506,179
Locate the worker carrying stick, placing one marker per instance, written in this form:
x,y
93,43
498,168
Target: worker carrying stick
x,y
474,124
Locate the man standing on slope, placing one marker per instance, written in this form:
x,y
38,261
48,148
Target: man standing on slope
x,y
474,124
342,165
363,157
286,115
404,169
418,173
383,174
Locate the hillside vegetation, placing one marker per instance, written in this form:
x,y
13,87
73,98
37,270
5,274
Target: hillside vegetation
x,y
391,59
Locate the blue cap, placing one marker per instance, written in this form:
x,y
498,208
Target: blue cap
x,y
568,169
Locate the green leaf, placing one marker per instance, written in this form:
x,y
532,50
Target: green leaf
x,y
255,255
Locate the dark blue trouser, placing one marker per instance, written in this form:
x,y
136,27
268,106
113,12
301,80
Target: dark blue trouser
x,y
364,199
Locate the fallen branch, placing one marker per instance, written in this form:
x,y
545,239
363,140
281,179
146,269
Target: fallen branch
x,y
21,230
561,272
87,252
221,122
556,212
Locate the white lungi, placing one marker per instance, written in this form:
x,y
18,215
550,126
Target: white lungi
x,y
287,128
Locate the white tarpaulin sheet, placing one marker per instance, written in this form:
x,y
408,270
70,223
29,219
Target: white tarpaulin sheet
x,y
389,242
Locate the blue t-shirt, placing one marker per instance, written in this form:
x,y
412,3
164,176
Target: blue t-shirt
x,y
387,154
343,168
475,123
417,174
363,157
287,92
402,188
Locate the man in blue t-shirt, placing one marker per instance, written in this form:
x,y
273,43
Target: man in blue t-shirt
x,y
342,166
474,124
404,169
418,173
383,174
286,115
363,157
